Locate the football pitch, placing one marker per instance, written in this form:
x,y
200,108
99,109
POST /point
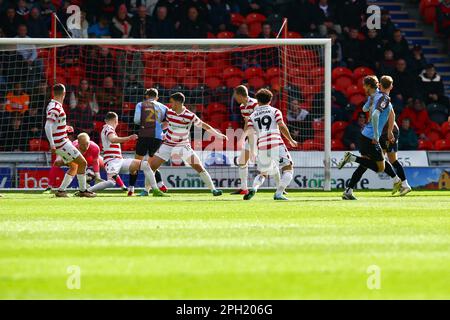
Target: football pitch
x,y
194,246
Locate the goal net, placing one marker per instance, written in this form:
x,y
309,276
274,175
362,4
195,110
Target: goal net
x,y
104,75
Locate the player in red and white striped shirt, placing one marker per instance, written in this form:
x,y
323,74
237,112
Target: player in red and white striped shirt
x,y
56,131
268,125
247,106
115,164
177,139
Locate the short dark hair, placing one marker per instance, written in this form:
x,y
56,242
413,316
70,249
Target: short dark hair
x,y
386,82
110,116
151,93
241,90
178,97
58,89
371,81
263,96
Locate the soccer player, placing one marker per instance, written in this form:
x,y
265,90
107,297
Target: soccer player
x,y
114,163
372,156
91,152
268,125
177,141
149,115
55,130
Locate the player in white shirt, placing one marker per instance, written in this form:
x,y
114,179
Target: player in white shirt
x,y
177,139
266,122
115,164
247,106
56,132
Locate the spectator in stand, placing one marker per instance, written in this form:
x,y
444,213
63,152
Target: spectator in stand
x,y
47,8
349,14
329,26
109,98
303,17
201,7
387,27
432,87
418,115
296,113
407,139
141,24
404,84
417,61
82,119
83,32
242,32
353,131
29,66
100,29
15,139
399,45
33,122
192,26
134,6
100,64
84,94
120,25
266,32
162,26
372,49
339,106
22,9
106,9
219,16
174,10
68,56
36,25
336,50
17,100
387,65
11,22
352,49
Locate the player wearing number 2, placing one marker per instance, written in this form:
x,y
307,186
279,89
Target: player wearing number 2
x,y
266,122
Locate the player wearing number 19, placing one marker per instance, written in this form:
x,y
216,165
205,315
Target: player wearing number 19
x,y
268,125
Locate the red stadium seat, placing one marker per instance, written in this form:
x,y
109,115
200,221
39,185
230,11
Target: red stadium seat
x,y
129,145
98,126
337,145
232,72
236,19
357,99
225,35
191,82
185,72
351,90
233,82
337,127
216,107
254,29
434,135
168,82
362,72
429,15
229,125
426,4
272,73
425,145
210,35
255,17
213,82
38,145
148,80
275,84
445,127
318,126
213,72
341,71
342,83
256,82
128,106
310,145
441,145
253,72
293,35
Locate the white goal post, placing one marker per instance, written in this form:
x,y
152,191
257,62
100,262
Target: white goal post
x,y
212,44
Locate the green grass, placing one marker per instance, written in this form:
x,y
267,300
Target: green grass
x,y
194,246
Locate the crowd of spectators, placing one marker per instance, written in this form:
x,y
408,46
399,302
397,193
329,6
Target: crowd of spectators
x,y
417,85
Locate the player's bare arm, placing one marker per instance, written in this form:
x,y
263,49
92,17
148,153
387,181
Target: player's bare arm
x,y
285,132
213,131
391,123
115,139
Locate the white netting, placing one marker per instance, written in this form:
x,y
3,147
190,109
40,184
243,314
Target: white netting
x,y
113,78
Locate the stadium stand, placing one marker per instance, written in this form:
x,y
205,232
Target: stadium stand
x,y
399,49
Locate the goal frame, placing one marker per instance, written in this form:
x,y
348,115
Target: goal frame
x,y
224,42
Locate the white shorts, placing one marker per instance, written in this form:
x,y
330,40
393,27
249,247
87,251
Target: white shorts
x,y
116,166
271,159
166,152
68,152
